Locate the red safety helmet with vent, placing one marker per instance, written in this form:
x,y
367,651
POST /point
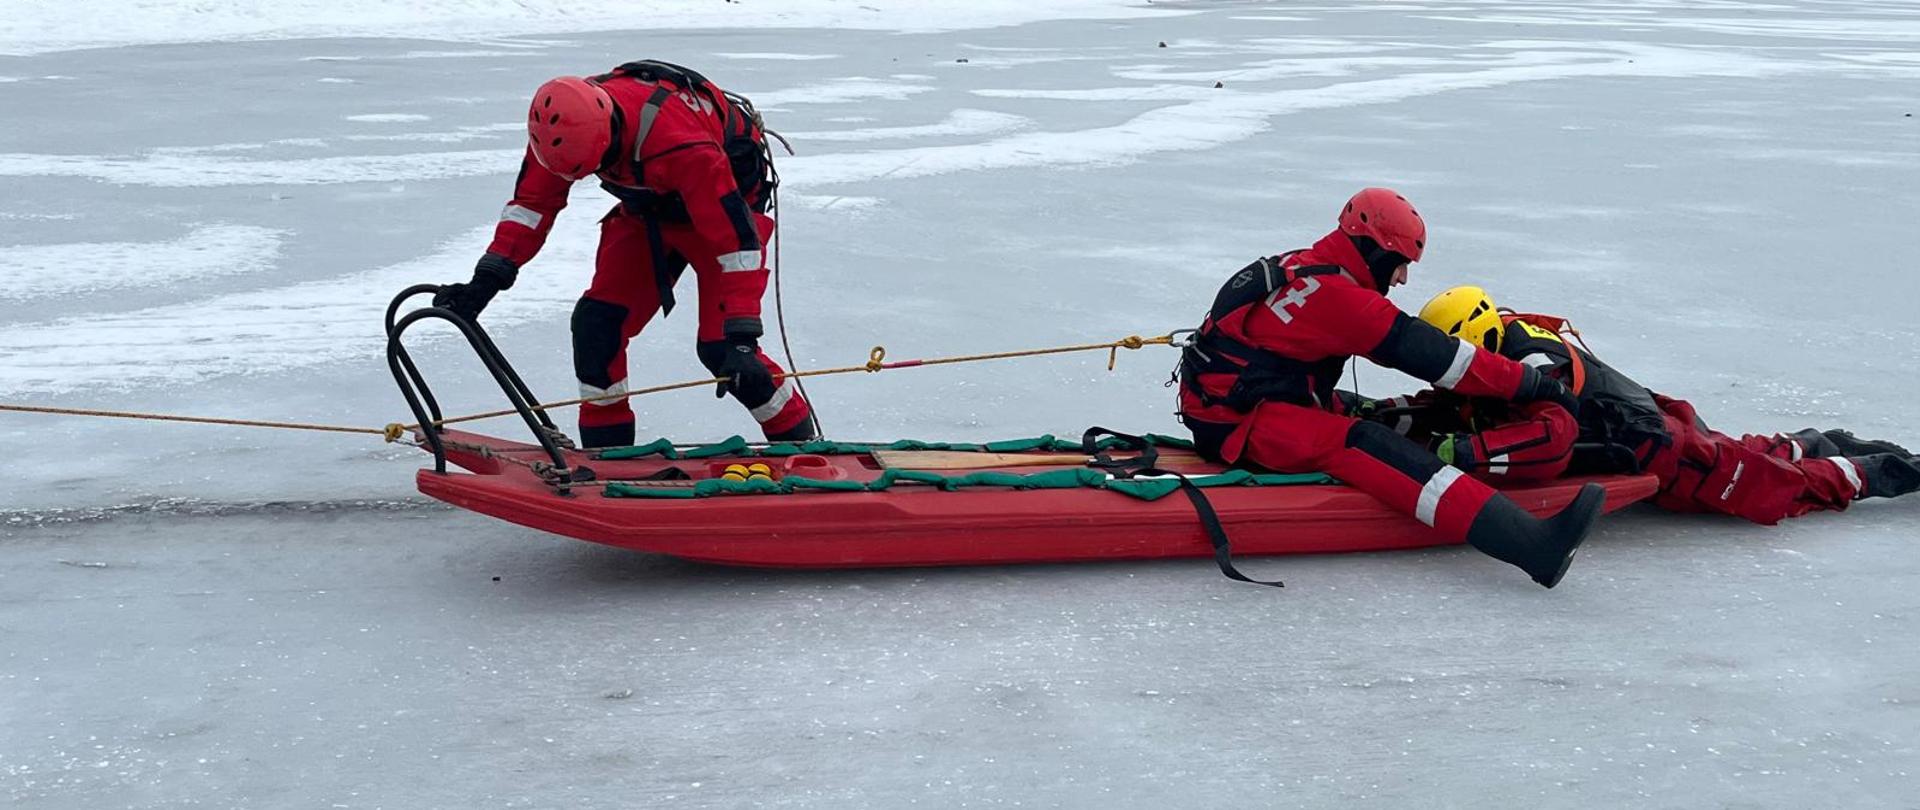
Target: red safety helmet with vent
x,y
1383,215
570,126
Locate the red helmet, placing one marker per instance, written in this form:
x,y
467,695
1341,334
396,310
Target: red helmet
x,y
570,126
1384,216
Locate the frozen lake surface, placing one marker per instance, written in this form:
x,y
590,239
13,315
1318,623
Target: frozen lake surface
x,y
1720,195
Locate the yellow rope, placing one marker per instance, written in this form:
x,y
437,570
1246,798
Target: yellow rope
x,y
876,361
203,420
393,432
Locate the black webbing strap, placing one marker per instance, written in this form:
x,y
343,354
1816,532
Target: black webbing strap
x,y
1121,467
663,280
1222,547
1143,465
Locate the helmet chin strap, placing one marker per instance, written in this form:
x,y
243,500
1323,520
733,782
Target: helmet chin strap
x,y
618,121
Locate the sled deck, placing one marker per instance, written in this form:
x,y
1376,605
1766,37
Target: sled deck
x,y
910,503
848,505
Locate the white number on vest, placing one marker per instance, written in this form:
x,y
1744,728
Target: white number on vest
x,y
1295,297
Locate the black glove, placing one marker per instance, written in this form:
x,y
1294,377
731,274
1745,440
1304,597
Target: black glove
x,y
1538,387
741,365
492,274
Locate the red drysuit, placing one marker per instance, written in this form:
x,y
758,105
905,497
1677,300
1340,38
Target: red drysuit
x,y
1259,376
684,201
1624,426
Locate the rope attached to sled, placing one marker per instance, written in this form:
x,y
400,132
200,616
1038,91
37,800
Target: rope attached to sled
x,y
876,361
200,420
395,431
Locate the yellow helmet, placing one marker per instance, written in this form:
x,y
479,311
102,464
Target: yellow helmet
x,y
1467,313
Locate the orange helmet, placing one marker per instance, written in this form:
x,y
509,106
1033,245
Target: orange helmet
x,y
1384,216
570,126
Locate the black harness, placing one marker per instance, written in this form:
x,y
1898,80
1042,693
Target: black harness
x,y
748,156
1261,375
745,143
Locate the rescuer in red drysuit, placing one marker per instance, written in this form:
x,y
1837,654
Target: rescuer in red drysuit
x,y
1624,427
690,166
1257,385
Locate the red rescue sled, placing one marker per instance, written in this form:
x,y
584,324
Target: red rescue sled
x,y
917,525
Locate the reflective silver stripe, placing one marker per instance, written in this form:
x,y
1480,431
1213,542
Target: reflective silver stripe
x,y
648,112
1739,467
1798,451
1431,494
1404,424
588,391
740,261
1498,465
1852,473
771,409
1537,360
1462,359
521,214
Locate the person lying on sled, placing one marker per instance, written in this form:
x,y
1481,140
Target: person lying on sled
x,y
1621,426
1257,385
689,165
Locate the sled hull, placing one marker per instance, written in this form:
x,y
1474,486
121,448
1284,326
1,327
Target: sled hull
x,y
926,526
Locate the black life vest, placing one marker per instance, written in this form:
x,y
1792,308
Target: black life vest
x,y
1615,411
745,141
1260,375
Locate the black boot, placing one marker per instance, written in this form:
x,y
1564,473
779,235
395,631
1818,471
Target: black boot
x,y
1541,547
1830,443
1887,475
606,436
1851,446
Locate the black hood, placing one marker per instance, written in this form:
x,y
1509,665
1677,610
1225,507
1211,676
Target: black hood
x,y
1381,262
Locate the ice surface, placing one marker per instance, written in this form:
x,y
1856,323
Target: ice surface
x,y
1719,194
390,118
33,26
958,122
30,272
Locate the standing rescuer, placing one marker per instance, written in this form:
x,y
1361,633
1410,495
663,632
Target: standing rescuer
x,y
690,166
1257,385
